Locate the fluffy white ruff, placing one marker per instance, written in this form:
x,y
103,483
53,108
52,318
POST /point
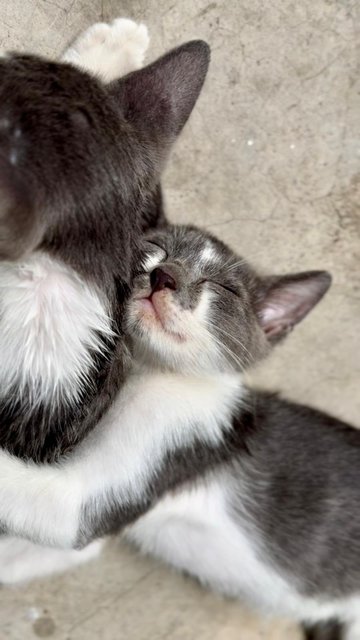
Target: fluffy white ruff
x,y
51,322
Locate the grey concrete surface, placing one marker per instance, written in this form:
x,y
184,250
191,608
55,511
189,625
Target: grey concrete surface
x,y
271,163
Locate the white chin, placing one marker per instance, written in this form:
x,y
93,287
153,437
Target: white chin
x,y
153,327
161,347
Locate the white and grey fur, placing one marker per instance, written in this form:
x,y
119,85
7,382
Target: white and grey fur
x,y
254,488
72,209
70,221
52,320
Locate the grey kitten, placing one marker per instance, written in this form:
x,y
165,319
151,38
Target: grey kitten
x,y
255,496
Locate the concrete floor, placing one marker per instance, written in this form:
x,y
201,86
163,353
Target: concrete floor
x,y
271,163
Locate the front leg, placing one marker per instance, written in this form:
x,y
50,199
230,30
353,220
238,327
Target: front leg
x,y
39,502
113,476
64,504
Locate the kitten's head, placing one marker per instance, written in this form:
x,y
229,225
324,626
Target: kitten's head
x,y
199,307
80,161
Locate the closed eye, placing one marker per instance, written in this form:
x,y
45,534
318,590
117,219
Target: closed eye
x,y
155,244
158,246
222,285
154,258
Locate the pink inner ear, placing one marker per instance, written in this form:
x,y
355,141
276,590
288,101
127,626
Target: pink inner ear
x,y
289,300
270,313
274,321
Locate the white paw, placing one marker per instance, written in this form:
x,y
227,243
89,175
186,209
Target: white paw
x,y
21,561
110,50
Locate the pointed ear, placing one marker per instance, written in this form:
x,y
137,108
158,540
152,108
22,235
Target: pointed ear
x,y
161,96
286,300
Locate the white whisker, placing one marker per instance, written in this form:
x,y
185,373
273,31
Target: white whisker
x,y
224,347
235,340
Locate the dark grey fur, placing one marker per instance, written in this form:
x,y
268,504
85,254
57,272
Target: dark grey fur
x,y
79,179
307,503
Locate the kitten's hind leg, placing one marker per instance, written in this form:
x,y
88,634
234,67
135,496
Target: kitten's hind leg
x,y
22,561
331,630
110,50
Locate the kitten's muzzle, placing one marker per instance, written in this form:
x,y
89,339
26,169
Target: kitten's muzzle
x,y
154,302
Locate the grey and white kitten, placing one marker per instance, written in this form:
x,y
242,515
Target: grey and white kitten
x,y
255,496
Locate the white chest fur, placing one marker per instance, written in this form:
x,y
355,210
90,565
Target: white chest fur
x,y
50,323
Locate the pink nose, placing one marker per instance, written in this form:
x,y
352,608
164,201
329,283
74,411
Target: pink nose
x,y
160,280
